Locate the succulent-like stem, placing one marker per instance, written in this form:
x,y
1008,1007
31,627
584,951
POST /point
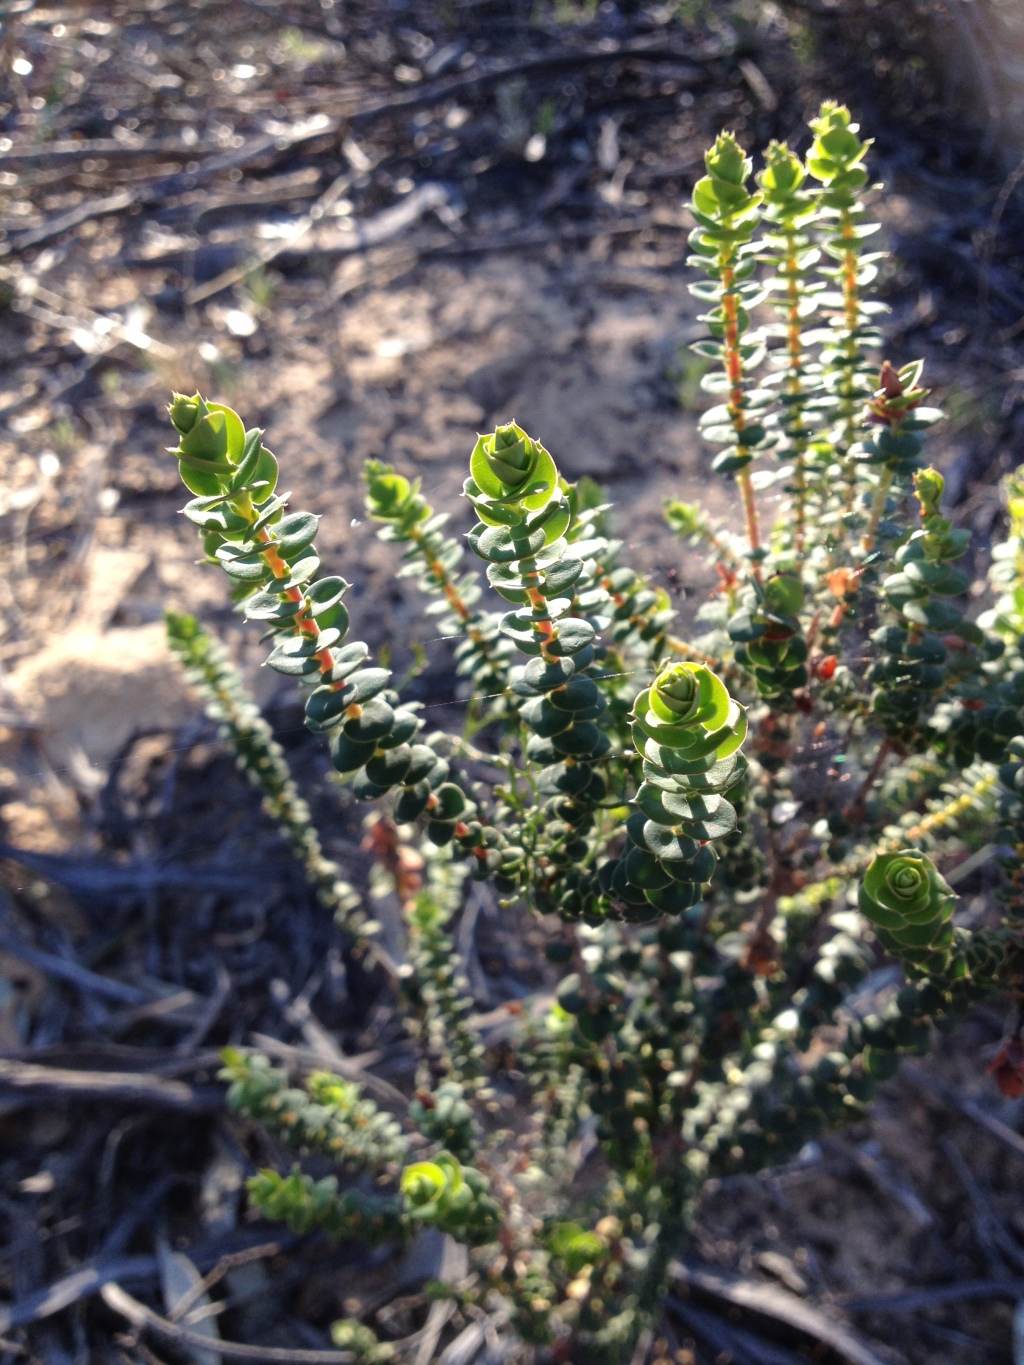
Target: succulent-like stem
x,y
789,210
878,501
727,214
435,559
836,160
701,1016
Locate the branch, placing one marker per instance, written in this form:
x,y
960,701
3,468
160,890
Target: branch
x,y
144,1319
35,1083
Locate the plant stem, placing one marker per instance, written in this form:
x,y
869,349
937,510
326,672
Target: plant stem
x,y
734,371
798,433
851,321
750,517
878,502
854,811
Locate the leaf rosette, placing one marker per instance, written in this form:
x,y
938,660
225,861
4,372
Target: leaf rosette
x,y
430,1187
514,480
908,900
688,711
215,452
453,1198
688,730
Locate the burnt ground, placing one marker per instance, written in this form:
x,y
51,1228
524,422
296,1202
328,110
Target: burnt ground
x,y
375,230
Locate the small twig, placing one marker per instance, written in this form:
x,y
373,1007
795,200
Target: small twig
x,y
728,1341
176,1009
70,151
144,1319
75,975
157,191
854,810
42,304
236,273
878,502
35,1083
226,1263
209,1015
80,1284
551,63
156,1061
96,878
999,1246
928,1298
83,877
934,1089
775,1303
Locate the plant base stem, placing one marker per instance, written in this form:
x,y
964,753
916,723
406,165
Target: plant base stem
x,y
750,517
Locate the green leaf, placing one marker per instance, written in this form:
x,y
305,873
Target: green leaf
x,y
294,532
291,665
578,694
364,685
503,545
664,843
325,593
451,803
348,754
583,740
268,606
676,898
561,576
541,676
573,636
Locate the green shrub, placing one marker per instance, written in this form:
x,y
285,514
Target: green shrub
x,y
720,834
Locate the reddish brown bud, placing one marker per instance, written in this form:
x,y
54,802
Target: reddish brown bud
x,y
1007,1068
762,955
889,381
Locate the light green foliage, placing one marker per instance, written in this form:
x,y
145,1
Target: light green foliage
x,y
452,1198
727,215
907,901
305,1204
328,1116
354,1336
721,835
434,559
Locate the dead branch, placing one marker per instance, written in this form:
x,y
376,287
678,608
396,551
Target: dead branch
x,y
30,1082
144,1319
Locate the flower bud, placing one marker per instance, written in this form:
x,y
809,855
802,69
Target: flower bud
x,y
677,689
726,160
184,412
211,445
929,486
783,174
